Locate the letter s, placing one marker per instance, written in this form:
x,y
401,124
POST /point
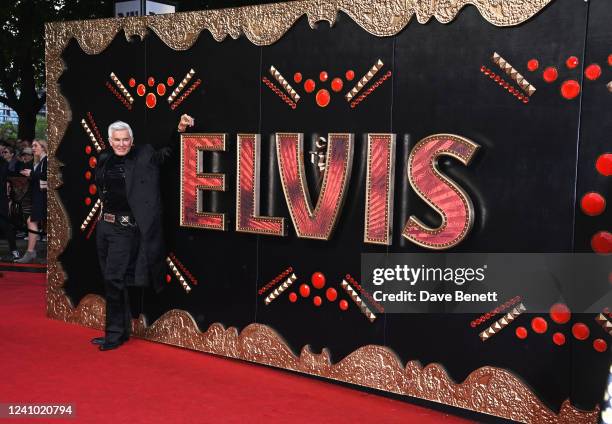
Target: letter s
x,y
440,192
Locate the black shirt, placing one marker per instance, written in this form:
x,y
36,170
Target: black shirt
x,y
114,194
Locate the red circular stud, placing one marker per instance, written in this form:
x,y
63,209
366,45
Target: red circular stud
x,y
323,76
593,204
161,89
141,90
600,345
170,81
350,74
521,333
604,164
533,65
151,100
550,74
317,300
93,162
88,175
292,297
572,62
168,278
539,325
331,294
318,280
309,85
132,82
88,201
297,77
558,339
560,313
343,305
570,89
88,150
305,290
601,242
323,97
592,72
151,81
580,331
337,84
93,189
610,59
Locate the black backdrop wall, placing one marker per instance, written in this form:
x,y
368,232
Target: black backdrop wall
x,y
536,161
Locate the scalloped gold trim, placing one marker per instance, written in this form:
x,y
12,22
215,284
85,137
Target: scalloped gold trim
x,y
488,390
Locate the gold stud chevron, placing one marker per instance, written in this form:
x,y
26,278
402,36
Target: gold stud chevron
x,y
364,80
178,274
501,323
605,323
505,66
277,291
91,214
181,85
360,303
283,82
121,87
91,135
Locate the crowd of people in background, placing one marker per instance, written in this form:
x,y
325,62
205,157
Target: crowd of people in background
x,y
23,196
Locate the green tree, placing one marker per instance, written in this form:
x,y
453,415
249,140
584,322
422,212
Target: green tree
x,y
22,67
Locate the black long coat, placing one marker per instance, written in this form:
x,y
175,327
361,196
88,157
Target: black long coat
x,y
143,195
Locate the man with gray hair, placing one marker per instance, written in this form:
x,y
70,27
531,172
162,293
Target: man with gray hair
x,y
129,235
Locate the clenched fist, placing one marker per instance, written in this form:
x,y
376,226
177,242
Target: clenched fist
x,y
186,121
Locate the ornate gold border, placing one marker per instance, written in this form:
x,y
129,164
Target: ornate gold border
x,y
489,390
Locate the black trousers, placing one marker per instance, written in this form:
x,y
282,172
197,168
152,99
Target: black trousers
x,y
6,226
117,252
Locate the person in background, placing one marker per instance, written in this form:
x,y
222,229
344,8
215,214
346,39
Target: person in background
x,y
14,164
38,189
6,225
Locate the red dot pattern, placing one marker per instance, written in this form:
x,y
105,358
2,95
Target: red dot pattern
x,y
593,204
604,164
93,189
331,294
337,84
539,325
305,290
601,242
318,280
170,81
151,100
533,65
343,305
132,82
297,77
592,72
93,162
151,81
88,201
293,297
161,89
88,175
349,75
88,150
558,339
309,86
323,98
560,313
317,300
141,90
570,89
550,74
580,331
600,345
572,62
323,76
521,332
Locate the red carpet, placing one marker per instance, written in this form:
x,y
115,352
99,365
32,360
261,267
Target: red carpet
x,y
47,361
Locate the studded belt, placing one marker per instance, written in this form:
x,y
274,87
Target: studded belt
x,y
124,220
